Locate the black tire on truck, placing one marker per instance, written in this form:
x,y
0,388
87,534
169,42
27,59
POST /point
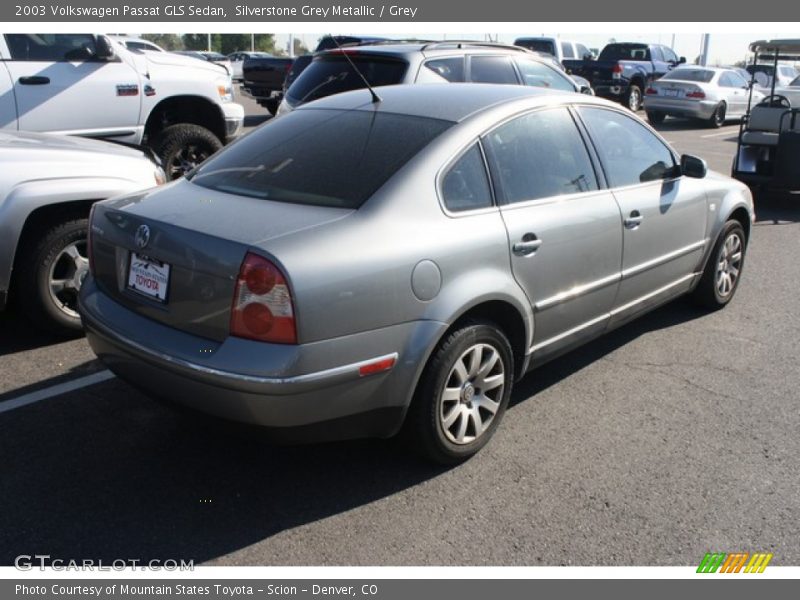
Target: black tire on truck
x,y
49,272
183,146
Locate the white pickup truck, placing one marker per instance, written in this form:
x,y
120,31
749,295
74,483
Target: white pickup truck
x,y
89,85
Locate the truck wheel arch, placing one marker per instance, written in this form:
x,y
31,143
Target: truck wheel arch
x,y
194,110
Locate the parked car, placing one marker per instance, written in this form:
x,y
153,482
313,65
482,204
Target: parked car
x,y
712,95
212,57
137,44
47,186
237,60
623,71
765,73
583,84
329,290
423,62
87,85
791,92
561,49
263,79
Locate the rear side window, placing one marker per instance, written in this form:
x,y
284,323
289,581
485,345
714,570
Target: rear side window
x,y
333,75
539,155
625,52
451,69
492,69
320,157
630,153
466,184
51,47
537,74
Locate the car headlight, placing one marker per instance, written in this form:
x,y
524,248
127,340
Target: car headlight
x,y
225,90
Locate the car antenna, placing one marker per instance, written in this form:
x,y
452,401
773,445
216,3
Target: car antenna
x,y
375,98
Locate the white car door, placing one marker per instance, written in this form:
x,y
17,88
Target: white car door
x,y
8,106
61,87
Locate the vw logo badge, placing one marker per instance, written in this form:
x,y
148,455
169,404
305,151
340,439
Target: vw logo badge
x,y
142,237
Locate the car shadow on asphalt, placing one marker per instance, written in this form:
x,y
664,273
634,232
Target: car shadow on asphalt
x,y
107,473
17,334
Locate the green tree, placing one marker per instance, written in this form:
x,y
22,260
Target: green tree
x,y
234,42
299,47
167,41
265,42
199,41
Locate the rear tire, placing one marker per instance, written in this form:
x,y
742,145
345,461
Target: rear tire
x,y
633,100
717,119
723,271
462,394
184,146
49,275
655,117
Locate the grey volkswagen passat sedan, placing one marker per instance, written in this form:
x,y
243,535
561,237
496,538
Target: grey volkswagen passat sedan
x,y
355,267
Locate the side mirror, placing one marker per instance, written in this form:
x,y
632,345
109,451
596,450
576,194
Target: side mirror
x,y
692,166
682,60
104,49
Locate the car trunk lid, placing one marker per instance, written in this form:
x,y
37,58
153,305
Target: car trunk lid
x,y
173,255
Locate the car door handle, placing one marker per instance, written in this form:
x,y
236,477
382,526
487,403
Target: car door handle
x,y
634,220
529,244
34,80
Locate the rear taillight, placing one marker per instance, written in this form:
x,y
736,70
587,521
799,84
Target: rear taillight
x,y
262,304
696,94
89,251
651,91
616,71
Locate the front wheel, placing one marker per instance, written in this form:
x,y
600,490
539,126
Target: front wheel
x,y
463,394
51,271
184,146
721,276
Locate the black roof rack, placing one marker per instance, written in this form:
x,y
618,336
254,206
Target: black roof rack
x,y
474,43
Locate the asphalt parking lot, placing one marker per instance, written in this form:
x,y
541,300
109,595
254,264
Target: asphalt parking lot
x,y
668,438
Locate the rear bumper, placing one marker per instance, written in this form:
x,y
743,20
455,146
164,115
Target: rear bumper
x,y
332,401
694,109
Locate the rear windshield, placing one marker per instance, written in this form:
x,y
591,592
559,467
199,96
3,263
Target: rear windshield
x,y
701,75
545,46
625,52
330,75
319,157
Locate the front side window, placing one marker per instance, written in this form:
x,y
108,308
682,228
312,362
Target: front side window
x,y
539,155
492,69
566,50
630,153
319,157
537,74
466,184
51,47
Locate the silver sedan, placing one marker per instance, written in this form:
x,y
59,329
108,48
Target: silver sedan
x,y
362,265
47,186
713,95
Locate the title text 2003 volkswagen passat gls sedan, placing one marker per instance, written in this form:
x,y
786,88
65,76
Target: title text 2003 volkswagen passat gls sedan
x,y
355,267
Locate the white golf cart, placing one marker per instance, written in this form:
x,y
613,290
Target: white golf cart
x,y
768,148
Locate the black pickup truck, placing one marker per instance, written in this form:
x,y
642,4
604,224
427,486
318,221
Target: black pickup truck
x,y
623,71
262,79
266,79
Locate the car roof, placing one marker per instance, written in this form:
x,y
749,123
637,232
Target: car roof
x,y
449,47
452,102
